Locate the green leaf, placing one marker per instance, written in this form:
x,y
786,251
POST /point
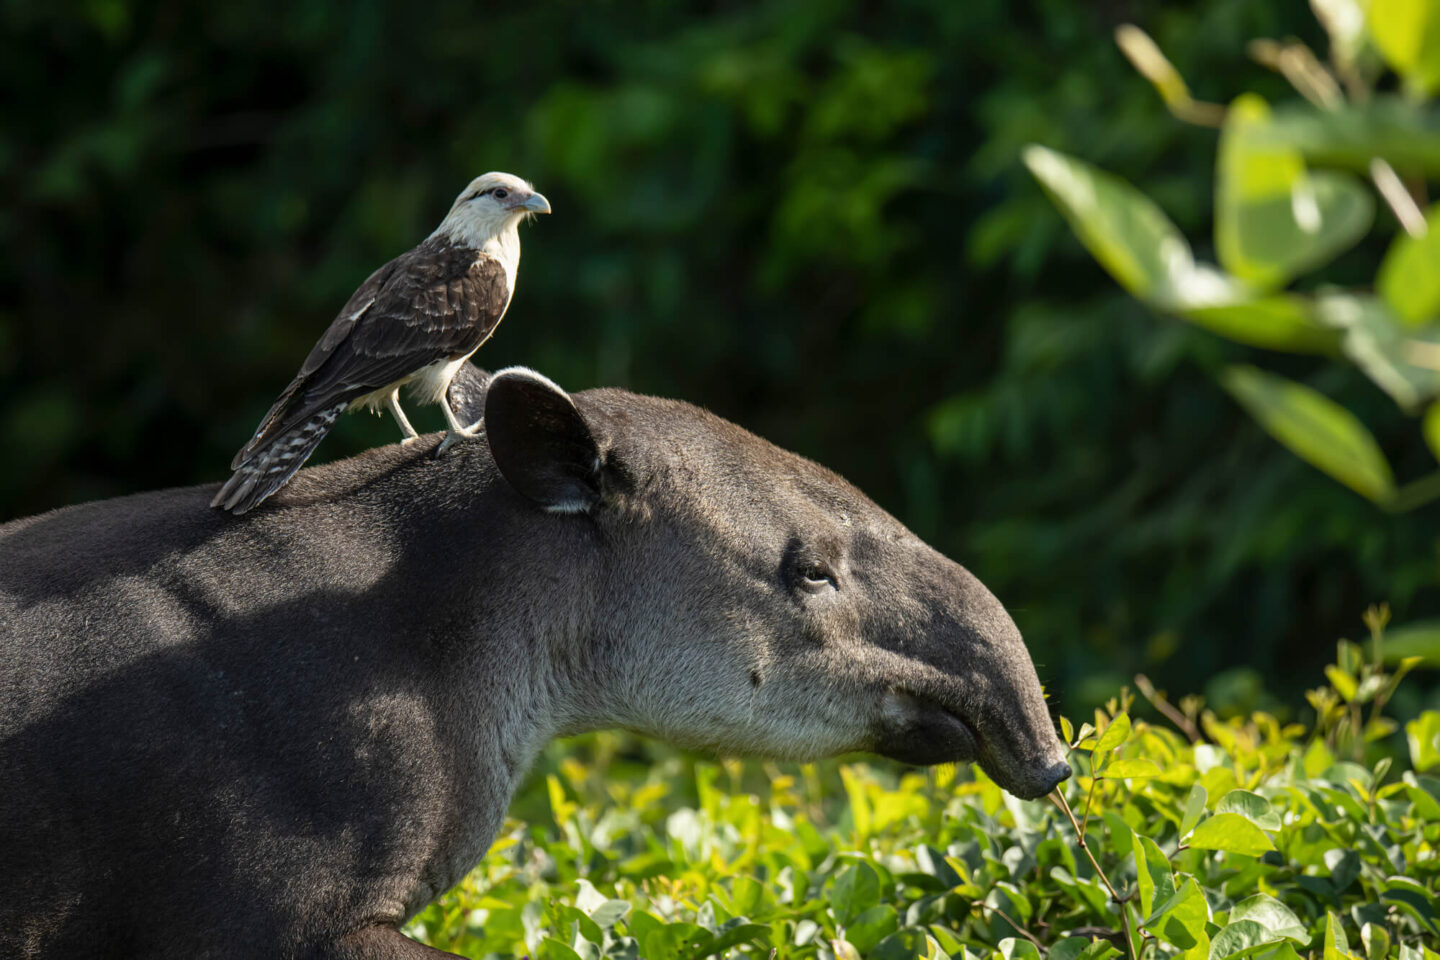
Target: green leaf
x,y
1376,940
1343,682
1337,947
1152,874
1278,919
1127,233
1374,339
1281,322
1409,277
1115,734
1099,950
1231,833
872,926
1314,428
1251,806
856,890
734,933
552,949
1239,938
1016,948
1273,219
1398,130
1132,769
1423,735
1181,921
1407,32
1430,427
1194,808
1068,949
1344,21
1419,639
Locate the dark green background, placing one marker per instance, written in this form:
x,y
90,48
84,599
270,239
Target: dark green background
x,y
808,217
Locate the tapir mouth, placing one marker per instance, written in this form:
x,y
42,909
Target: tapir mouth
x,y
920,730
924,732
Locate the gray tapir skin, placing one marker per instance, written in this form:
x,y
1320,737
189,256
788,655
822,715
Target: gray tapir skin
x,y
281,735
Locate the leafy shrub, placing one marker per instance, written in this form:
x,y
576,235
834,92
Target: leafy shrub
x,y
1214,839
1289,199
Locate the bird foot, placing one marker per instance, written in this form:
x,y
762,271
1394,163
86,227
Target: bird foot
x,y
455,436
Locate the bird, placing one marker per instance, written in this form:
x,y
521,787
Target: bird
x,y
413,324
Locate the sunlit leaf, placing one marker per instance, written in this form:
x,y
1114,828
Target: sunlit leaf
x,y
1231,833
1344,21
1374,339
1418,639
1337,947
1315,428
1115,734
1137,768
1408,34
1130,236
1278,919
1251,806
1280,322
1239,938
1154,880
1181,920
1423,736
1273,219
1409,277
1403,132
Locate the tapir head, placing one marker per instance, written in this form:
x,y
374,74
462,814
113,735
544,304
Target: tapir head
x,y
749,601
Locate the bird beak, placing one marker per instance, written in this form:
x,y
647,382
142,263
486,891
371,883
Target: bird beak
x,y
535,203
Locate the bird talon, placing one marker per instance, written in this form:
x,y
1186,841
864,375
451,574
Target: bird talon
x,y
455,436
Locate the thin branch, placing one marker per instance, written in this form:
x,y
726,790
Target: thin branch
x,y
1298,64
1392,188
1058,798
1158,701
1018,929
1416,493
1151,64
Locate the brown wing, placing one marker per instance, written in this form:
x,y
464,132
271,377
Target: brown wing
x,y
435,302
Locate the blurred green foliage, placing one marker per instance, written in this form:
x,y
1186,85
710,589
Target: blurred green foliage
x,y
1276,219
810,217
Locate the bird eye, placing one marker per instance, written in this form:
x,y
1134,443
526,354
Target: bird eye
x,y
500,193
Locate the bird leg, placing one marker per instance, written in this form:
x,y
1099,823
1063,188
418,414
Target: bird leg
x,y
393,402
457,432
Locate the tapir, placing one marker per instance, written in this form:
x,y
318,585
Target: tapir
x,y
281,735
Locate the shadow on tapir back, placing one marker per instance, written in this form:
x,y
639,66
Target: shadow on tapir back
x,y
281,735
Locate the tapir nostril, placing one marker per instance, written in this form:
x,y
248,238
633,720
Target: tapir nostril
x,y
1058,773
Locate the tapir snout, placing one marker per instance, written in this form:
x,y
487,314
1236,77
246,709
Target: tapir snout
x,y
968,690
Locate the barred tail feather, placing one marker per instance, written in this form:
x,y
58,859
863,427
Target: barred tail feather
x,y
270,467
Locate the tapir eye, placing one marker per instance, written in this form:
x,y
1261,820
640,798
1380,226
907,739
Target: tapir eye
x,y
816,576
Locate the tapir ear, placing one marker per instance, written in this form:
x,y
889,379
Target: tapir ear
x,y
540,442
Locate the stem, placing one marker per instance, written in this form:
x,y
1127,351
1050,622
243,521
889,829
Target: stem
x,y
1018,929
1058,798
1416,493
1090,797
1158,701
1402,204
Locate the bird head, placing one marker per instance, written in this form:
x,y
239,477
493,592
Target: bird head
x,y
490,205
